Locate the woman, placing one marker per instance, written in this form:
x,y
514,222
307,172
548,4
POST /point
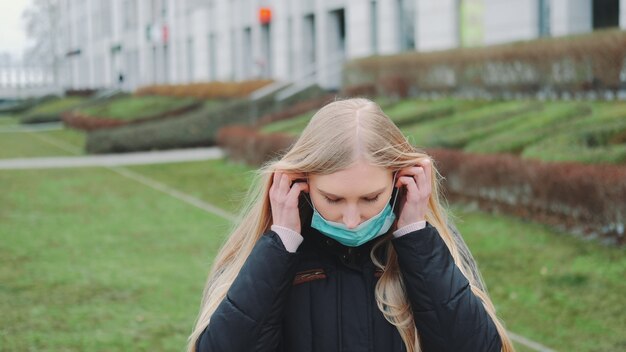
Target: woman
x,y
345,246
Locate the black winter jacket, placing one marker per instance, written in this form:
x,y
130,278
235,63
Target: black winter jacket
x,y
321,299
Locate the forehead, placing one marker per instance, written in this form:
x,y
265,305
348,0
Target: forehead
x,y
360,178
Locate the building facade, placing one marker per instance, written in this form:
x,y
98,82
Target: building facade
x,y
133,43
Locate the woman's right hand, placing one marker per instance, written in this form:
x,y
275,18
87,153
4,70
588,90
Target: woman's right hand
x,y
284,200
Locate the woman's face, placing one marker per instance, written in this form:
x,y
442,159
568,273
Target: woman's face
x,y
353,195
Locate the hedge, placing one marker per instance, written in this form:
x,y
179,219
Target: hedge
x,y
557,66
582,199
196,128
209,90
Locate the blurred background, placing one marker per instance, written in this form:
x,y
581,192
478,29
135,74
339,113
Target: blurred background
x,y
130,131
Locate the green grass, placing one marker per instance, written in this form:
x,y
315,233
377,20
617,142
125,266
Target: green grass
x,y
55,106
91,261
598,138
130,108
218,182
40,144
549,286
528,129
9,121
433,133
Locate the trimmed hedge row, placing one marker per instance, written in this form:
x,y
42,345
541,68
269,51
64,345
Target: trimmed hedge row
x,y
248,145
590,62
210,90
584,199
196,128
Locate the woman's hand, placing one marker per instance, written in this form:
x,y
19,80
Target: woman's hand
x,y
284,200
417,182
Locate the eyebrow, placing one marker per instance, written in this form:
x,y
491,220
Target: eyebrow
x,y
330,195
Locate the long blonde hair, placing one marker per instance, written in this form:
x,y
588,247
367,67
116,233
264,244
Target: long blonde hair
x,y
337,135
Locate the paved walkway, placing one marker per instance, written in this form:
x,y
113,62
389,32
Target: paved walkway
x,y
154,157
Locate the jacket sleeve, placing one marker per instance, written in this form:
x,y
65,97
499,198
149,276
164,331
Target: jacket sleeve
x,y
448,316
249,318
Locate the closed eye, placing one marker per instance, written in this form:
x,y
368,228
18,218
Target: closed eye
x,y
334,201
371,200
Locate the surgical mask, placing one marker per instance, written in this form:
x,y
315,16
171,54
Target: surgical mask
x,y
366,231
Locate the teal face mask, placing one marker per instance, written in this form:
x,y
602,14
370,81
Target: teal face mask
x,y
366,231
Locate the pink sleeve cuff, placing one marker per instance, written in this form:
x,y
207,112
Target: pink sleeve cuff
x,y
291,239
409,228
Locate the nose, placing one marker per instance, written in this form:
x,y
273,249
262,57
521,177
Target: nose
x,y
351,218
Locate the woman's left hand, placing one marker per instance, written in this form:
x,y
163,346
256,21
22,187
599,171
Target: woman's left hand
x,y
417,182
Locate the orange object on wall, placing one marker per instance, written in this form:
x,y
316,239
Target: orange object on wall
x,y
265,15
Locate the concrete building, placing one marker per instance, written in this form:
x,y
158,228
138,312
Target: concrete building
x,y
132,43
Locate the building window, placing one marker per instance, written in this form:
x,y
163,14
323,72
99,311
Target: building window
x,y
374,26
544,18
605,13
406,24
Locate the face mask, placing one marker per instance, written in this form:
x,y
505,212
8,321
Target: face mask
x,y
366,231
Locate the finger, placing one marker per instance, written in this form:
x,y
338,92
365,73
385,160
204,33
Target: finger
x,y
400,182
294,192
295,176
411,187
410,171
273,187
284,185
428,171
420,180
276,179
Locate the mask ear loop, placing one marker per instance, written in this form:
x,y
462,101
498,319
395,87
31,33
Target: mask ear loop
x,y
307,196
395,197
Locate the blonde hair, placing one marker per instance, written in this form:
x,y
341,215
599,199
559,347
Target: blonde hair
x,y
337,136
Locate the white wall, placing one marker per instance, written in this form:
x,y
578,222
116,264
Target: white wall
x,y
570,17
622,14
437,25
510,20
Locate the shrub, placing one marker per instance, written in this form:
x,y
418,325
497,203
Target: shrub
x,y
566,65
586,200
196,128
210,90
581,198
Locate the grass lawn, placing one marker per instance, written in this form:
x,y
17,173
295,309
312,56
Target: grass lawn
x,y
553,288
9,121
218,182
40,144
55,105
91,261
133,107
